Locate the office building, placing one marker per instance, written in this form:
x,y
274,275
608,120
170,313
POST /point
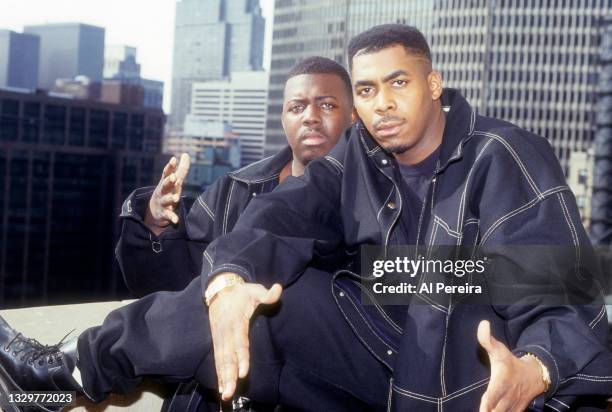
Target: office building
x,y
601,213
122,79
68,50
66,165
18,60
213,38
240,102
212,146
533,62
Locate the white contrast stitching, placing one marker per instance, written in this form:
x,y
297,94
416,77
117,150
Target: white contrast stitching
x,y
516,158
335,162
206,208
227,207
597,318
518,210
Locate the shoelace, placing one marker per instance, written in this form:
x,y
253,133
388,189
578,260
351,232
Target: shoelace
x,y
33,350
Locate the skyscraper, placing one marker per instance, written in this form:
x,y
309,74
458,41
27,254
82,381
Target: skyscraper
x,y
601,212
532,62
68,50
213,38
18,59
240,102
66,165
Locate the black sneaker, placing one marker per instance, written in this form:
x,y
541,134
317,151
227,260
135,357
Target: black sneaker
x,y
27,365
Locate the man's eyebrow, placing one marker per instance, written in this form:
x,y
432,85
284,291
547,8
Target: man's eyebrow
x,y
395,74
296,100
359,83
325,97
385,79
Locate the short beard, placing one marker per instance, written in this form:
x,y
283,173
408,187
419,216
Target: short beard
x,y
397,149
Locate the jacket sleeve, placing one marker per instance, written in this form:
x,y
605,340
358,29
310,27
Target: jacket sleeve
x,y
280,232
570,339
169,262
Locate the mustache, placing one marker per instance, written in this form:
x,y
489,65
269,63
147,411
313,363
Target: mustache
x,y
387,119
306,132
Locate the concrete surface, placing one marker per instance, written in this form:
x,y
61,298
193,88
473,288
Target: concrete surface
x,y
49,324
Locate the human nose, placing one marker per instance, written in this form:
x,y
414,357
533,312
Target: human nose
x,y
384,102
311,115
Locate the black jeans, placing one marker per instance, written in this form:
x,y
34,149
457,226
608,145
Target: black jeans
x,y
303,353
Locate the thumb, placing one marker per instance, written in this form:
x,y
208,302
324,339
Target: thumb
x,y
265,296
494,348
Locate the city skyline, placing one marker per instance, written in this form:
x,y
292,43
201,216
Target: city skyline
x,y
154,37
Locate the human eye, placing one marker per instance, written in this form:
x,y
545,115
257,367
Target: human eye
x,y
365,91
327,106
399,82
296,108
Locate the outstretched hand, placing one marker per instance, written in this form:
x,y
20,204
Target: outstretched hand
x,y
515,382
161,211
230,314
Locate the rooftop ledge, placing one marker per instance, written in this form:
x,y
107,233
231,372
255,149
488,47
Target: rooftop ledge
x,y
49,324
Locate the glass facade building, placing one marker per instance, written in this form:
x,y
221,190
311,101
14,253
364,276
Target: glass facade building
x,y
601,203
531,62
18,59
68,50
65,167
213,38
240,102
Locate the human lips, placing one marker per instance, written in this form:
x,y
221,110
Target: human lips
x,y
388,128
313,139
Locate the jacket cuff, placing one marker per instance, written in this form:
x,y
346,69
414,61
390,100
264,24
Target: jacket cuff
x,y
135,206
551,364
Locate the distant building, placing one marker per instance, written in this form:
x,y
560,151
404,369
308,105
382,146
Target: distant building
x,y
580,180
80,87
601,225
213,38
533,63
241,102
213,147
19,60
68,50
66,165
120,64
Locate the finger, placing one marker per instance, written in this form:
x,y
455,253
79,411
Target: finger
x,y
230,373
496,395
170,199
242,349
484,403
497,350
264,296
169,168
217,338
168,183
183,168
170,216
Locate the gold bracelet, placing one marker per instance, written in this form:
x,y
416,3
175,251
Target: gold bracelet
x,y
220,282
543,369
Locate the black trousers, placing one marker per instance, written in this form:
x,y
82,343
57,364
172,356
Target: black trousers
x,y
303,353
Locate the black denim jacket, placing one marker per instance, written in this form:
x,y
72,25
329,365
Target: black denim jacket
x,y
495,184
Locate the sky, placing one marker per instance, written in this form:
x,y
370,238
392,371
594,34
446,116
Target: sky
x,y
145,24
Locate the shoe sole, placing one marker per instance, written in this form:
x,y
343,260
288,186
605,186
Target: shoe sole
x,y
7,384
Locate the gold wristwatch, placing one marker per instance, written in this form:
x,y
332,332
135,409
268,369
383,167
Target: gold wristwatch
x,y
220,282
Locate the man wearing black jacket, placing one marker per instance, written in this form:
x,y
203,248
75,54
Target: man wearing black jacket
x,y
163,235
421,168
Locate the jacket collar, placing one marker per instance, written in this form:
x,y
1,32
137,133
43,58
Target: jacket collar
x,y
460,120
264,169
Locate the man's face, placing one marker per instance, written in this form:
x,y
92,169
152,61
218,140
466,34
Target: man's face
x,y
316,110
396,96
